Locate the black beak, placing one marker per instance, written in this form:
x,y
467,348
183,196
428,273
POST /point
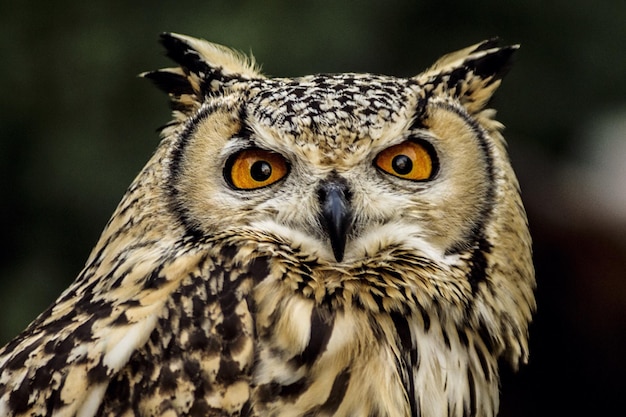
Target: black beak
x,y
336,214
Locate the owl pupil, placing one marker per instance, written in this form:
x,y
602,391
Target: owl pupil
x,y
260,171
402,164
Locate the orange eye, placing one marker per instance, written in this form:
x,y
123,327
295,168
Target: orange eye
x,y
409,160
255,168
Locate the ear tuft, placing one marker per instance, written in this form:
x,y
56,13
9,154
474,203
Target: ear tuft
x,y
170,80
493,63
201,57
204,69
472,74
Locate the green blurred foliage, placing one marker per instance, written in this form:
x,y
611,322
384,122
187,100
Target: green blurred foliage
x,y
76,124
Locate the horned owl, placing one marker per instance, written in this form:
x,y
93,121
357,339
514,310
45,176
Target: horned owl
x,y
335,244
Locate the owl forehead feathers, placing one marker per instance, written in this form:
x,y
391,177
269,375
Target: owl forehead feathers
x,y
330,111
327,114
360,103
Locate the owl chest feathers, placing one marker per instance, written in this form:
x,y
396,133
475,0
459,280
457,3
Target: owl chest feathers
x,y
330,358
256,339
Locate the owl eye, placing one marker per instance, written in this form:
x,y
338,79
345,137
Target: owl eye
x,y
255,168
411,160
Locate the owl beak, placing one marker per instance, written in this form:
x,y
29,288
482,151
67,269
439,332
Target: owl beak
x,y
336,213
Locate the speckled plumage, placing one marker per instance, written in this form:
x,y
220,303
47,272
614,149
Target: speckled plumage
x,y
335,289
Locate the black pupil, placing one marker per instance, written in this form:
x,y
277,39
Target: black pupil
x,y
402,164
260,171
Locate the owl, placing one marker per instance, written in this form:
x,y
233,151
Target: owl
x,y
327,245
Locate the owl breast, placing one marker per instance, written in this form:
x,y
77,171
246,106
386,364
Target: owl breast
x,y
349,343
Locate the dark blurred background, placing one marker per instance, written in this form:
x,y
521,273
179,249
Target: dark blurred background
x,y
76,125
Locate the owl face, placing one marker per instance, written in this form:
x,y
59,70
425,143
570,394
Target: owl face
x,y
355,172
342,166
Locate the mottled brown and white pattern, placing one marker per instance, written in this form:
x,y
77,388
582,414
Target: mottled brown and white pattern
x,y
330,245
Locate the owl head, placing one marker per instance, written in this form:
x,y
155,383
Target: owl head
x,y
350,168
